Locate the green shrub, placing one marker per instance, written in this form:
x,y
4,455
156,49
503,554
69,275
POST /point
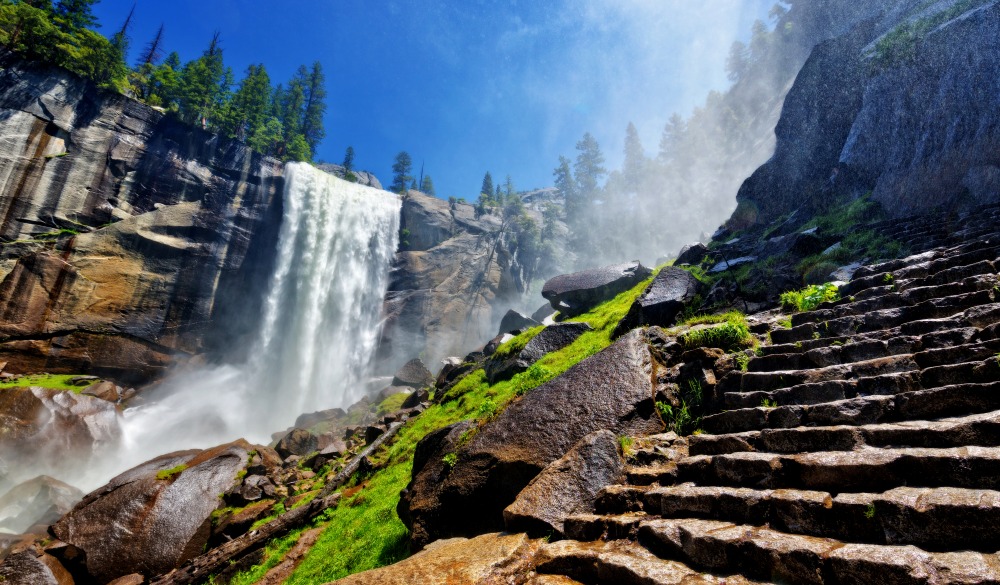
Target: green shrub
x,y
450,460
810,297
732,334
678,419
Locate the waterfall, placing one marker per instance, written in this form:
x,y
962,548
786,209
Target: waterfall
x,y
317,334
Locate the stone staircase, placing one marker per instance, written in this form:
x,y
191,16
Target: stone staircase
x,y
861,446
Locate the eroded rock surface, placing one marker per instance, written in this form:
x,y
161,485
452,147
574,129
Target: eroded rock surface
x,y
573,294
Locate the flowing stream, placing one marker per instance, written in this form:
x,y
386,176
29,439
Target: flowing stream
x,y
317,333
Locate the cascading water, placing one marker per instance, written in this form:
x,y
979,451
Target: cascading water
x,y
318,330
316,338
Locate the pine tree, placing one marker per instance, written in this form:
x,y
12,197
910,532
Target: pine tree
x,y
401,170
508,188
75,14
201,85
487,187
246,114
153,52
588,168
348,163
738,61
673,135
314,83
566,184
427,186
634,165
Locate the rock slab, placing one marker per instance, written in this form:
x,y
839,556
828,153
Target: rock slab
x,y
576,293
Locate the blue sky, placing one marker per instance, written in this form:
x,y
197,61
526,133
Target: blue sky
x,y
467,86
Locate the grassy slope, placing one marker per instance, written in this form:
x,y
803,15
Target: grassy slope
x,y
55,382
364,532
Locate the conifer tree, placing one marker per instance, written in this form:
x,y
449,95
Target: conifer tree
x,y
246,114
314,84
634,164
401,169
588,168
487,187
153,51
75,14
566,184
427,186
348,163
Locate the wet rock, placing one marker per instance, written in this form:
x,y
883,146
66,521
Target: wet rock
x,y
611,390
105,391
40,501
237,523
692,254
304,421
298,442
153,517
47,430
413,374
569,485
133,579
552,338
662,301
543,312
416,397
514,321
372,433
33,568
491,347
732,263
573,294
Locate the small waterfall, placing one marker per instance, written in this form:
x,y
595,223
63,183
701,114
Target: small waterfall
x,y
318,330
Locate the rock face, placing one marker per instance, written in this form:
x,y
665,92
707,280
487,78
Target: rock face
x,y
514,321
454,278
122,232
569,485
666,297
53,431
573,294
153,517
32,567
413,374
917,124
611,390
37,502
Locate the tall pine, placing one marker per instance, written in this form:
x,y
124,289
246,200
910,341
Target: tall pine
x,y
401,173
314,84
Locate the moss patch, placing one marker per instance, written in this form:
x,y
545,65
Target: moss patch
x,y
52,381
514,346
169,473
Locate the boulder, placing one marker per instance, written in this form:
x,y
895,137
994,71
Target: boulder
x,y
491,558
668,294
573,294
31,567
611,390
49,432
543,313
552,338
491,347
304,421
297,442
105,391
416,397
514,321
153,517
413,374
733,263
692,254
40,501
569,485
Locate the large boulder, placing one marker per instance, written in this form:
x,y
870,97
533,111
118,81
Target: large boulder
x,y
297,442
576,293
52,432
513,321
413,374
569,485
153,517
662,301
37,502
552,338
611,390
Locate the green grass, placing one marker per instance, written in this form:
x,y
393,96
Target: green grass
x,y
53,381
169,473
364,531
900,44
731,334
392,403
810,297
514,346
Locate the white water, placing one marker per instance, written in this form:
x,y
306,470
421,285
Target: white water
x,y
317,334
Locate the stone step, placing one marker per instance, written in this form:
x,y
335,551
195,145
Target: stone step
x,y
972,309
769,381
934,519
902,296
619,562
661,474
982,429
763,553
865,469
834,353
897,397
943,366
826,352
590,527
928,273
